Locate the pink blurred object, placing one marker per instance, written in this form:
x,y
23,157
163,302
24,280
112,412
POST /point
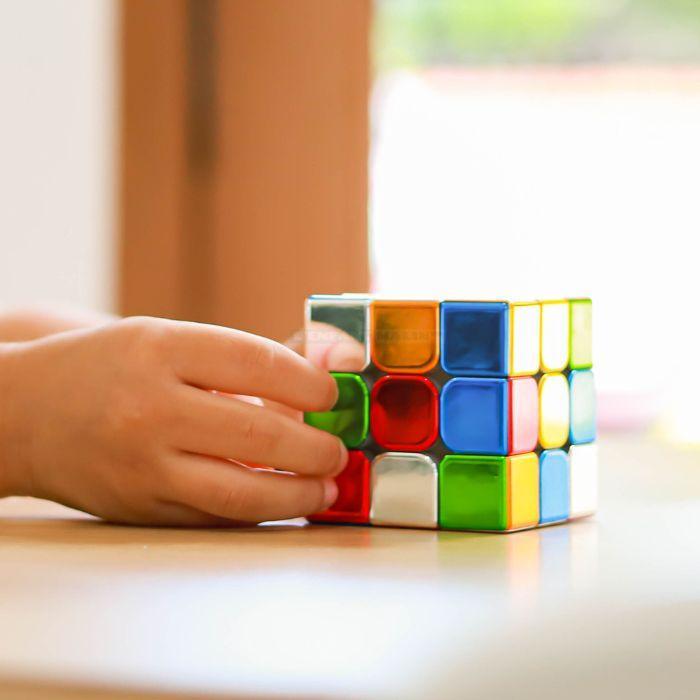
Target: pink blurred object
x,y
626,412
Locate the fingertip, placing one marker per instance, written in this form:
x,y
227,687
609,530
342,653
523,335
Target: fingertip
x,y
330,397
330,493
343,458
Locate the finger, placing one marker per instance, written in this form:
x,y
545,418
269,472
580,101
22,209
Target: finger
x,y
330,348
164,514
213,357
235,492
221,426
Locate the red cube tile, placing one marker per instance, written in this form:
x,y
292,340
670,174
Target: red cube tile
x,y
404,412
524,415
352,504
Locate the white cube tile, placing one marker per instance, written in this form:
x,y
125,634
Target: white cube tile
x,y
404,490
584,479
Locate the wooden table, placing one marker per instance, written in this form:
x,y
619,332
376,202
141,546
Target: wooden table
x,y
605,607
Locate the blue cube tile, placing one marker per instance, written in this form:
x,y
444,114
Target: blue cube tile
x,y
554,486
474,416
474,338
582,426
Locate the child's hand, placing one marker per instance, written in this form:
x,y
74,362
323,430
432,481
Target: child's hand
x,y
119,421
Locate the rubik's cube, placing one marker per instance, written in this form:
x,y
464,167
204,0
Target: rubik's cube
x,y
460,415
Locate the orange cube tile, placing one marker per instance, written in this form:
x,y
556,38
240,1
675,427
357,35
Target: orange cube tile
x,y
405,336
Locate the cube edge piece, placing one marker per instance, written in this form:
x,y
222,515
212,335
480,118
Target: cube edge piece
x,y
376,518
557,364
499,461
589,451
435,345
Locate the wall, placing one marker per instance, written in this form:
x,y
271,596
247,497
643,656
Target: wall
x,y
56,151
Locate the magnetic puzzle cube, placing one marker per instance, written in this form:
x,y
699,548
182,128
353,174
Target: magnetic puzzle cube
x,y
459,415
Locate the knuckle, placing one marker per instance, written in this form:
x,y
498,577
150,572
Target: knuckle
x,y
259,435
262,357
327,455
132,412
311,498
143,338
236,502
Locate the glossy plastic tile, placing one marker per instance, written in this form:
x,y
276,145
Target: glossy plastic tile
x,y
404,490
353,503
337,332
554,486
523,491
581,334
582,405
584,479
554,410
475,338
474,415
524,415
349,418
524,339
404,412
473,492
404,336
554,336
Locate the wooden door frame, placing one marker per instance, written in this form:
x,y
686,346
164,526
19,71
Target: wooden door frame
x,y
243,157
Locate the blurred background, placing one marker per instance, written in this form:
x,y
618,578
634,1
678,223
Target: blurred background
x,y
219,160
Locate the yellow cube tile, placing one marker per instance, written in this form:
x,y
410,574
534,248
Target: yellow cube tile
x,y
554,335
554,410
523,491
524,339
581,334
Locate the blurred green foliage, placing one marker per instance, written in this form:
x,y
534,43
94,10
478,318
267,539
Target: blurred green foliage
x,y
419,32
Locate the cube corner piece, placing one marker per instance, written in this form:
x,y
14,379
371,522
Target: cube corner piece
x,y
337,328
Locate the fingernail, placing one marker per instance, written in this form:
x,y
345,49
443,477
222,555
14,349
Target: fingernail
x,y
330,493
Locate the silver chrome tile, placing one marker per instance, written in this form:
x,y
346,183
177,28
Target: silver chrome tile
x,y
404,490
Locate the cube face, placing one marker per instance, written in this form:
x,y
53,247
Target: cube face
x,y
458,415
474,338
584,479
353,503
523,491
524,339
581,334
473,493
404,490
349,418
582,406
524,415
337,330
405,336
474,415
554,410
554,336
554,486
404,413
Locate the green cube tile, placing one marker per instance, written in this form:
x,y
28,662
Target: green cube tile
x,y
581,334
349,418
473,492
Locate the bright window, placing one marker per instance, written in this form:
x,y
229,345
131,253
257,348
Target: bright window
x,y
544,149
